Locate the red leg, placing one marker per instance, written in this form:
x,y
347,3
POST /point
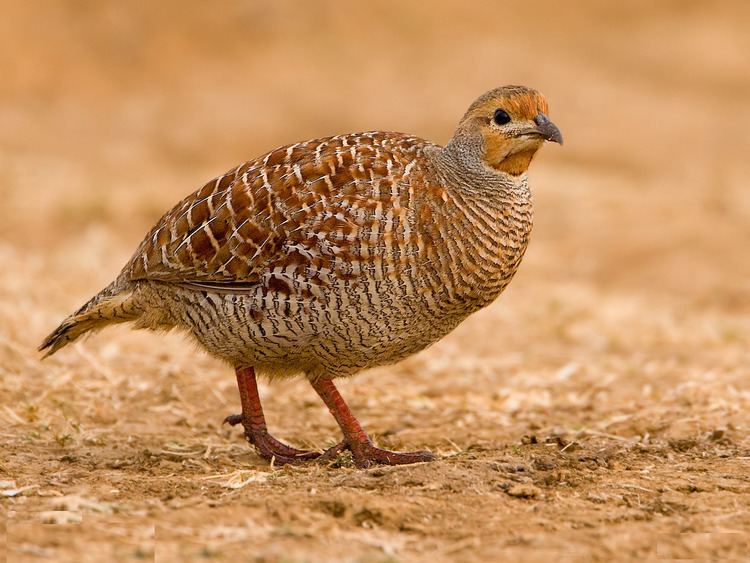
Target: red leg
x,y
356,440
254,422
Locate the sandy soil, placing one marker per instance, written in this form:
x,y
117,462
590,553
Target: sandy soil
x,y
599,410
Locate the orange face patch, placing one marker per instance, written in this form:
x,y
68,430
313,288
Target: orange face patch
x,y
515,164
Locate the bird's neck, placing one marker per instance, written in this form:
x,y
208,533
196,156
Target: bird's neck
x,y
460,166
490,213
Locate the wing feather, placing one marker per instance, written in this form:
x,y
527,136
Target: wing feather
x,y
298,207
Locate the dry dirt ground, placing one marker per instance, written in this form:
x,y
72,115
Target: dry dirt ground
x,y
598,411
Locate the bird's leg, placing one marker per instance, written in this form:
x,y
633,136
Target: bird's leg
x,y
356,440
254,422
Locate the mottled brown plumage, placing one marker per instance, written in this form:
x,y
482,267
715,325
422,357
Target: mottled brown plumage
x,y
330,256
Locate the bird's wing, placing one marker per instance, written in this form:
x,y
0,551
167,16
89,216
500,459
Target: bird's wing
x,y
317,207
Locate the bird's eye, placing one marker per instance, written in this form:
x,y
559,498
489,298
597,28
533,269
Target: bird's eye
x,y
501,117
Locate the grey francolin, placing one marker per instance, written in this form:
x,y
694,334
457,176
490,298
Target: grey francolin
x,y
331,256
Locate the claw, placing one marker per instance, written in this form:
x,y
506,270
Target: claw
x,y
331,453
254,423
269,447
233,419
365,454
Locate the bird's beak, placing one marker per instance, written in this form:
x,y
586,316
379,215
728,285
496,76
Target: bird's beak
x,y
547,129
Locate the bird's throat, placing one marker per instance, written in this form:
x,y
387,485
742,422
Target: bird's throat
x,y
514,164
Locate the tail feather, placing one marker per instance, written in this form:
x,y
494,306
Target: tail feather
x,y
106,308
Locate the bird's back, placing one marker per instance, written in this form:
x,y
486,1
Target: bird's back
x,y
328,208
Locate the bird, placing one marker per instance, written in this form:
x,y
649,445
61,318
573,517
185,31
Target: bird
x,y
327,257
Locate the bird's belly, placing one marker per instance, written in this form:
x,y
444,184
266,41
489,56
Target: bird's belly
x,y
341,331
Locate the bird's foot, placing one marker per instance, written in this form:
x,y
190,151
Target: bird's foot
x,y
366,454
268,447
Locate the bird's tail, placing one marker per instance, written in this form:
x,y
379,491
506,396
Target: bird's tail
x,y
114,304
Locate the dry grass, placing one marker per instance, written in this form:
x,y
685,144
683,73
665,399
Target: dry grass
x,y
599,410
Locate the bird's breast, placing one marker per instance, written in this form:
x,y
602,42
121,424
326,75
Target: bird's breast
x,y
477,245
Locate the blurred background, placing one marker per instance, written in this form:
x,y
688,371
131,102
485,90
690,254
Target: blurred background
x,y
112,112
634,296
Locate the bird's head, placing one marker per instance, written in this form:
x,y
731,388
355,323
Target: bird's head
x,y
507,126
